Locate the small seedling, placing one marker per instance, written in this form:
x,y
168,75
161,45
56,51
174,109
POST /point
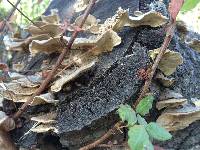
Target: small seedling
x,y
141,133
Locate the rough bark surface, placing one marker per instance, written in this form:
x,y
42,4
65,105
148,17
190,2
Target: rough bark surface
x,y
87,111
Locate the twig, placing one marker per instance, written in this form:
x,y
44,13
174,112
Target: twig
x,y
103,138
117,146
59,61
167,40
9,16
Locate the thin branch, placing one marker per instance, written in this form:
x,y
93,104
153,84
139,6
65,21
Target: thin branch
x,y
59,61
9,16
167,40
103,138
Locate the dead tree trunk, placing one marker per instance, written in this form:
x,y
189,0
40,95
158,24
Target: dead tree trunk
x,y
88,109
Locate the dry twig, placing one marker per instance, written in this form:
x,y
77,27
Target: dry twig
x,y
103,138
167,40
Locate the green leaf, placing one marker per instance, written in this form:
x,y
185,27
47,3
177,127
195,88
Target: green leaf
x,y
148,145
189,5
126,113
157,132
141,120
145,105
138,138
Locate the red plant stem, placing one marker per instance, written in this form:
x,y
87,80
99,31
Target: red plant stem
x,y
103,138
167,40
59,61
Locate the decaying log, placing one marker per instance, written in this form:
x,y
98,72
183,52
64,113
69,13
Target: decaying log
x,y
88,110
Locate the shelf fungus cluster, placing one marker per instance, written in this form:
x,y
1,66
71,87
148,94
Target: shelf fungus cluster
x,y
178,112
47,37
167,66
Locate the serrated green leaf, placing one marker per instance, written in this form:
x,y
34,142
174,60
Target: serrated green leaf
x,y
126,113
157,132
141,120
138,138
145,105
148,145
189,5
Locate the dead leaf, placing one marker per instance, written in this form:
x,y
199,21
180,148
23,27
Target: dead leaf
x,y
176,119
170,103
169,62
